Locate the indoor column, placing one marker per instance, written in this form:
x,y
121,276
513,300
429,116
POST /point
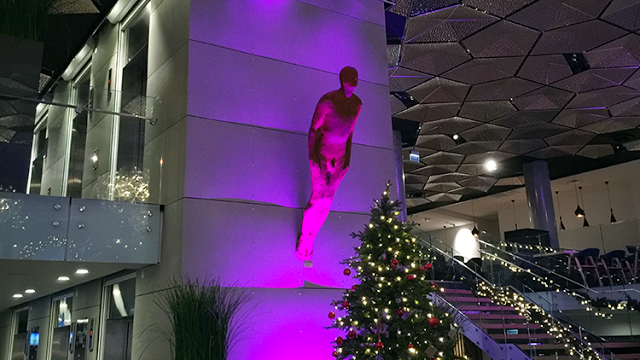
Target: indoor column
x,y
539,199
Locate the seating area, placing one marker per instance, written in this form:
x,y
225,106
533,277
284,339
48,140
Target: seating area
x,y
592,268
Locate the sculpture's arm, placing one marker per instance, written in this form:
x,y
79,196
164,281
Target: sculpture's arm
x,y
347,151
315,135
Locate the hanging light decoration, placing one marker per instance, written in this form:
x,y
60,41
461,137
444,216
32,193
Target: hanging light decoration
x,y
515,222
475,232
579,212
560,211
585,223
613,218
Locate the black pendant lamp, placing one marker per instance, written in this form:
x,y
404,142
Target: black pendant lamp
x,y
475,231
560,211
585,223
579,212
613,218
515,222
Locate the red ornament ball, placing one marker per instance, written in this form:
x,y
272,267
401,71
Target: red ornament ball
x,y
428,267
410,346
339,340
434,322
394,262
332,315
347,271
399,312
421,268
345,304
379,345
411,276
351,334
353,288
335,354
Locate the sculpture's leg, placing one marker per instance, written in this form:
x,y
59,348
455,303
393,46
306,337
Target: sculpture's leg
x,y
324,188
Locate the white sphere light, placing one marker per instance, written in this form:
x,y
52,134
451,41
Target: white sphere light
x,y
491,165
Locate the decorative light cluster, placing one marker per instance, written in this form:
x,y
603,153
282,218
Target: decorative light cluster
x,y
590,305
545,249
533,313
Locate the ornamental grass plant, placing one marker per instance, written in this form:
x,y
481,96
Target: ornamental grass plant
x,y
25,19
204,318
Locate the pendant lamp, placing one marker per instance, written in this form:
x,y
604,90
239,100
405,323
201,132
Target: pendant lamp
x,y
560,211
585,223
613,218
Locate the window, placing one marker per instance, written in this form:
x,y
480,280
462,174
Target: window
x,y
134,91
39,153
62,309
78,134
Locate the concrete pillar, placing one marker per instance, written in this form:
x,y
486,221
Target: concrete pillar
x,y
397,152
539,199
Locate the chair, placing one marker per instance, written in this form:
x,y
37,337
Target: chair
x,y
585,264
633,260
614,262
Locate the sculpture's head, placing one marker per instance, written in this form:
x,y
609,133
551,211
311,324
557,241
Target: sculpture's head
x,y
349,77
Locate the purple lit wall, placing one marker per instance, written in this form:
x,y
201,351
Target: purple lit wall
x,y
256,69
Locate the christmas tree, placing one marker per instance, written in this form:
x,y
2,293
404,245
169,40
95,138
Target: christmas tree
x,y
388,315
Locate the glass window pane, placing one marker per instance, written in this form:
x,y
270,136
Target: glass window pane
x,y
123,296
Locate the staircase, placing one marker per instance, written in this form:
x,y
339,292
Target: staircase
x,y
503,323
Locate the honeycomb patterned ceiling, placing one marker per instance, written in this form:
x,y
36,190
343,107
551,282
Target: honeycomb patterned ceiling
x,y
528,79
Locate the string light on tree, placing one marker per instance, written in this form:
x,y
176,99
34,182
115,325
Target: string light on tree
x,y
386,313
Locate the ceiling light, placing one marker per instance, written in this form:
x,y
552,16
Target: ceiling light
x,y
17,295
63,278
491,165
29,291
82,271
456,136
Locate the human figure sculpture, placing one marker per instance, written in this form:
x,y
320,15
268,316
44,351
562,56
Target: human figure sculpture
x,y
330,137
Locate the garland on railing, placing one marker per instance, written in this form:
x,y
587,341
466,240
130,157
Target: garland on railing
x,y
535,314
603,303
596,305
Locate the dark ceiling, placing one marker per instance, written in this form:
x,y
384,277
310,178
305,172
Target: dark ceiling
x,y
516,81
69,26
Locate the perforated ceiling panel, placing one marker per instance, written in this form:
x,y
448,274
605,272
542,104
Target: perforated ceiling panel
x,y
512,80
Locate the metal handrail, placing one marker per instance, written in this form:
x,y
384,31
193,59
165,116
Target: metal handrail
x,y
478,276
586,288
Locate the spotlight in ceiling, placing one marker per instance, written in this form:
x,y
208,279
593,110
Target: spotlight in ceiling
x,y
29,291
63,278
17,296
491,165
458,139
82,271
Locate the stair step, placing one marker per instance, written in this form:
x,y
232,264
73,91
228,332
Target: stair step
x,y
458,291
526,347
617,345
466,299
485,308
509,326
494,316
521,336
628,356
